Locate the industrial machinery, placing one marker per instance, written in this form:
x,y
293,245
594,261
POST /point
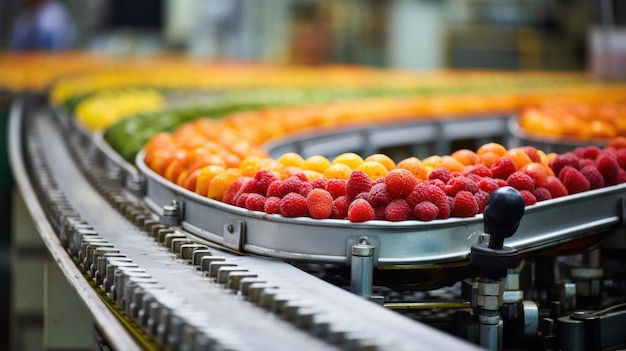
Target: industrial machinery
x,y
160,267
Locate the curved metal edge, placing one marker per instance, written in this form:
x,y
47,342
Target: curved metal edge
x,y
116,335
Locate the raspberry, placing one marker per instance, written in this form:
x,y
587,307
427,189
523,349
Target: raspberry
x,y
444,207
426,211
503,168
622,176
263,180
358,183
255,202
594,177
460,183
474,177
397,210
231,192
529,198
556,187
441,173
364,195
272,205
336,187
360,211
566,159
379,195
542,194
319,202
609,168
439,183
521,181
290,185
305,188
273,190
479,169
482,198
300,176
379,212
579,152
240,200
620,157
400,182
587,162
319,183
487,184
420,193
573,180
340,207
464,204
501,182
293,205
618,142
591,152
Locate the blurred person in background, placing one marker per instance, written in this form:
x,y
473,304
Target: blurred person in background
x,y
42,25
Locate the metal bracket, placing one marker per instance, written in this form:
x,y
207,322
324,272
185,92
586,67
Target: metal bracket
x,y
234,231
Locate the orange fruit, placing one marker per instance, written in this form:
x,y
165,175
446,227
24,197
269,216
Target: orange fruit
x,y
488,158
382,159
221,181
204,177
350,159
312,175
452,164
493,147
465,156
317,163
191,180
432,161
291,159
250,165
338,170
537,172
532,152
373,169
414,165
519,157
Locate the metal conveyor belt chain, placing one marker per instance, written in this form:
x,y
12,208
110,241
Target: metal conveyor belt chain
x,y
156,311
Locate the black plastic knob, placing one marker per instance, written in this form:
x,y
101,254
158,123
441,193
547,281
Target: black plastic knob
x,y
502,218
502,215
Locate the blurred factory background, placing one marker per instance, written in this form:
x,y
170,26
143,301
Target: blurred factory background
x,y
422,34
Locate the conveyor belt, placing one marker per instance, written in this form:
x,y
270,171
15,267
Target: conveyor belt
x,y
293,309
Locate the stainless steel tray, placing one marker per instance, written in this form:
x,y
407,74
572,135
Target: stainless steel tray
x,y
544,225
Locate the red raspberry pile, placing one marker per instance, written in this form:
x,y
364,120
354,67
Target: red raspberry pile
x,y
399,196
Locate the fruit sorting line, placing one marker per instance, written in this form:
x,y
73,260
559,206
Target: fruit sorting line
x,y
173,289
